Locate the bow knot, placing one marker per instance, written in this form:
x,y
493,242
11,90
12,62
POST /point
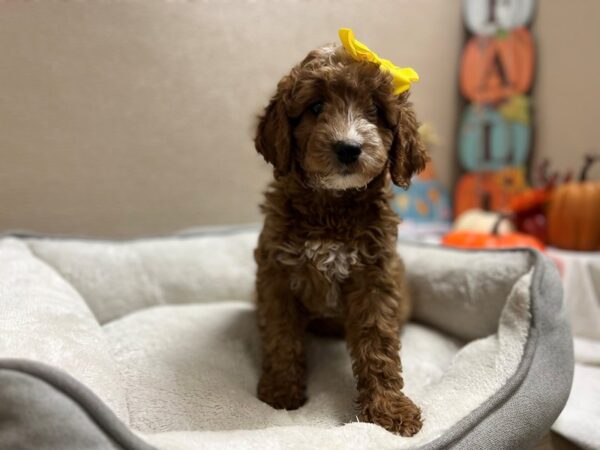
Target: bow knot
x,y
402,76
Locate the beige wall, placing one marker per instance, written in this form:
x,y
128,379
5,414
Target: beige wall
x,y
136,117
567,92
122,118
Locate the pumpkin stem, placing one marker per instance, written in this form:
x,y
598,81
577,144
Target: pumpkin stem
x,y
501,217
589,160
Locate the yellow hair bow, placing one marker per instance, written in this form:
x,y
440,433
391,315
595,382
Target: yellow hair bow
x,y
402,76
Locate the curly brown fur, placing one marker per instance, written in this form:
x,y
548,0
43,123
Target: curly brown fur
x,y
326,255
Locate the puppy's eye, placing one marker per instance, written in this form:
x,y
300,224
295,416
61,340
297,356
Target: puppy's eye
x,y
316,108
373,110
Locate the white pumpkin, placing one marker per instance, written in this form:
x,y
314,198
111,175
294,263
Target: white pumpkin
x,y
481,221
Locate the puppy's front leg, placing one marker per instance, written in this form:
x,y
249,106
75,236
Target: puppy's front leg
x,y
372,334
283,380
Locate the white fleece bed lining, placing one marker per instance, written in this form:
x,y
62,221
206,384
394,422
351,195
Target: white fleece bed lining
x,y
187,372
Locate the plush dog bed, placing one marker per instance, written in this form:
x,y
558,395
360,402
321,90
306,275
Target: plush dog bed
x,y
153,344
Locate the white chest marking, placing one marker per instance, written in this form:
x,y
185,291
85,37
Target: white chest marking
x,y
333,259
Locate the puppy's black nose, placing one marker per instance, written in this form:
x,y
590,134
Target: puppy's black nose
x,y
347,152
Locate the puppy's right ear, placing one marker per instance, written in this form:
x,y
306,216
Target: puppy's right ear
x,y
274,134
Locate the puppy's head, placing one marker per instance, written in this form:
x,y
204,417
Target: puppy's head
x,y
338,124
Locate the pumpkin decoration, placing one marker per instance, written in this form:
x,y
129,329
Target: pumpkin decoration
x,y
496,68
482,221
487,17
488,141
495,239
488,190
426,200
574,213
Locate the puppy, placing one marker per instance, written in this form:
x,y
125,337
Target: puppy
x,y
335,133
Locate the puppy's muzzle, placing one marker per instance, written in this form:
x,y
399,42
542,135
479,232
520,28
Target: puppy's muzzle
x,y
347,151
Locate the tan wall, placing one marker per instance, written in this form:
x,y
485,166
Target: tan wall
x,y
567,93
136,117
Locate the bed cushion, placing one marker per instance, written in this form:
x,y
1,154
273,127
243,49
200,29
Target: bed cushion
x,y
153,344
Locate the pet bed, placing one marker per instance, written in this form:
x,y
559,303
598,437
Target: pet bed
x,y
153,344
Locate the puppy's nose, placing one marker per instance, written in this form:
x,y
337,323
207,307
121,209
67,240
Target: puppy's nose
x,y
347,151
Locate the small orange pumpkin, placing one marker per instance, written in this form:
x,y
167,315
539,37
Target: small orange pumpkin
x,y
574,213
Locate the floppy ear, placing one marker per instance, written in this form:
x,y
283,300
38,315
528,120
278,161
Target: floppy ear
x,y
407,154
273,135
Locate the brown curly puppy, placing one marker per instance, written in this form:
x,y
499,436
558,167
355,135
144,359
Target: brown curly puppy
x,y
335,133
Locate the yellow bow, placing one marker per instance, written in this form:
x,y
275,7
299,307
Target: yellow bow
x,y
402,76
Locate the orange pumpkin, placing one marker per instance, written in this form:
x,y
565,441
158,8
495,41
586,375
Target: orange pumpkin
x,y
496,68
574,213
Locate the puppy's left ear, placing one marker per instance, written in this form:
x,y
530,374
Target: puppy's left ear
x,y
407,154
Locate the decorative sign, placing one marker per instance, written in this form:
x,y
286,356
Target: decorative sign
x,y
490,141
495,68
485,18
496,76
491,191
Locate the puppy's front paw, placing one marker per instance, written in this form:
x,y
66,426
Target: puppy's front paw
x,y
281,393
393,411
